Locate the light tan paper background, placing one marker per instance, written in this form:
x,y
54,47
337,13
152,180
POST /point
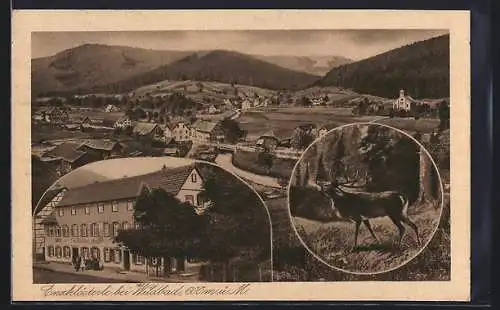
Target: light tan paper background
x,y
25,22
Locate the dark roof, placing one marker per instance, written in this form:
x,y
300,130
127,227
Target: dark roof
x,y
97,144
204,126
144,128
67,151
170,179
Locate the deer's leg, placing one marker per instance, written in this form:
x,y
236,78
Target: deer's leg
x,y
413,226
401,228
369,226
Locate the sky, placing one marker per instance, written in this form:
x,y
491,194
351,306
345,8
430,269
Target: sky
x,y
353,44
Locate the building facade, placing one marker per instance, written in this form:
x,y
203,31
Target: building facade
x,y
83,221
403,103
181,132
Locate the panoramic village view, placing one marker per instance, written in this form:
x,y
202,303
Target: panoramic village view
x,y
251,109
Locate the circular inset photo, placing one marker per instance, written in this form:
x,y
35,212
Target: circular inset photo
x,y
148,219
365,198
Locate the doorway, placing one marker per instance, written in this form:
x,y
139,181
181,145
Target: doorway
x,y
126,260
74,253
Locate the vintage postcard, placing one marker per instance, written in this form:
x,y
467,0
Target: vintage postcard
x,y
241,155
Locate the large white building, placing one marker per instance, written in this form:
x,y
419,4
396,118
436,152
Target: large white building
x,y
83,221
403,102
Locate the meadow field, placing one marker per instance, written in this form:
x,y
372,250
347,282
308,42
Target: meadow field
x,y
249,160
284,120
332,242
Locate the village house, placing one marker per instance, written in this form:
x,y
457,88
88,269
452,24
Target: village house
x,y
123,122
213,110
167,133
55,115
268,141
83,221
67,157
404,103
102,149
111,108
181,132
246,104
148,131
206,131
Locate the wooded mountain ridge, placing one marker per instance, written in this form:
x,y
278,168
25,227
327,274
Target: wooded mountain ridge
x,y
421,68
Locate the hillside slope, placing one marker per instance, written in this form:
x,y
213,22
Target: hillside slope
x,y
218,66
422,69
91,65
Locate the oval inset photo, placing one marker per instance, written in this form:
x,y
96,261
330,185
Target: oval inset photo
x,y
365,198
151,219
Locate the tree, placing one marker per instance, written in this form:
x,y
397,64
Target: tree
x,y
305,102
139,112
235,229
167,227
301,138
444,115
232,130
43,176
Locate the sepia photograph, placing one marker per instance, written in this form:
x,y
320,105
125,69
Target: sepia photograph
x,y
366,199
200,153
113,221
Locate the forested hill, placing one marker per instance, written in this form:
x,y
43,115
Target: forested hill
x,y
91,65
218,66
422,69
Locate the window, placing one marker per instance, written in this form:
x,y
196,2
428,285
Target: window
x,y
189,198
67,252
58,252
100,208
65,231
84,230
50,251
114,206
116,228
130,205
51,231
117,256
200,201
74,230
193,178
85,253
154,261
106,229
95,230
96,253
87,210
107,257
138,259
125,225
73,211
60,212
58,231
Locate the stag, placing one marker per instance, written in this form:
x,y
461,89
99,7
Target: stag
x,y
361,206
